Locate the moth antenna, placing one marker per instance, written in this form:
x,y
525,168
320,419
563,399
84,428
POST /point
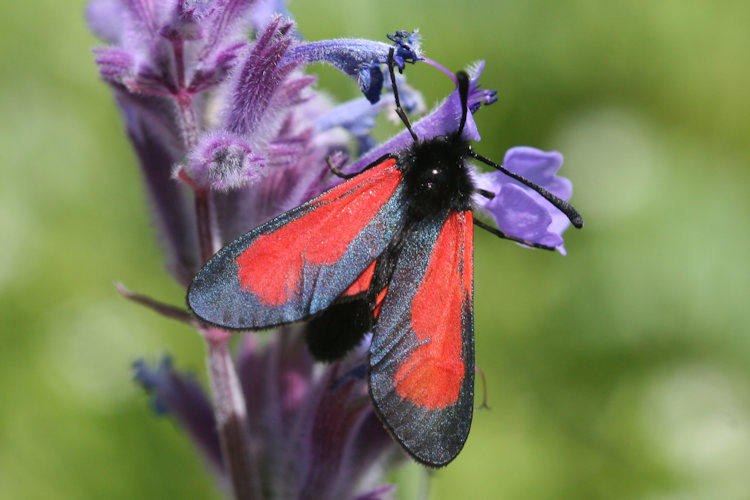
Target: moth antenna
x,y
504,236
462,81
399,110
487,194
569,210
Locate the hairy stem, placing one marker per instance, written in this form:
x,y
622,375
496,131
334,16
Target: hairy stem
x,y
189,128
229,408
188,120
204,220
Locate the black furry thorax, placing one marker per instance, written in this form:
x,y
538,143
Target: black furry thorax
x,y
436,176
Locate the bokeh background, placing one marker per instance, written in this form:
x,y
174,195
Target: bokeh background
x,y
621,371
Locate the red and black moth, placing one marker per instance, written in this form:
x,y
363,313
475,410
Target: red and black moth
x,y
390,251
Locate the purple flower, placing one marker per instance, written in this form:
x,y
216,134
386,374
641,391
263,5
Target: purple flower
x,y
312,433
168,46
519,210
358,115
223,161
361,59
182,397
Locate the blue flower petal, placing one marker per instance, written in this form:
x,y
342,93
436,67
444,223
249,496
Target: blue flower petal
x,y
359,58
519,210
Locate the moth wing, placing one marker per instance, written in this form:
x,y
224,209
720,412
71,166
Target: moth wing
x,y
298,263
422,351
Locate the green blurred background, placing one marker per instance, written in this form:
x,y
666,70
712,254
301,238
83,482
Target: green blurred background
x,y
618,372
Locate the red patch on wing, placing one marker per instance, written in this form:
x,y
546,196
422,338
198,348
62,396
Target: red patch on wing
x,y
379,302
271,267
362,284
432,375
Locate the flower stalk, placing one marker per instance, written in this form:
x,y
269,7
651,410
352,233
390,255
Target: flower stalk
x,y
204,225
231,417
